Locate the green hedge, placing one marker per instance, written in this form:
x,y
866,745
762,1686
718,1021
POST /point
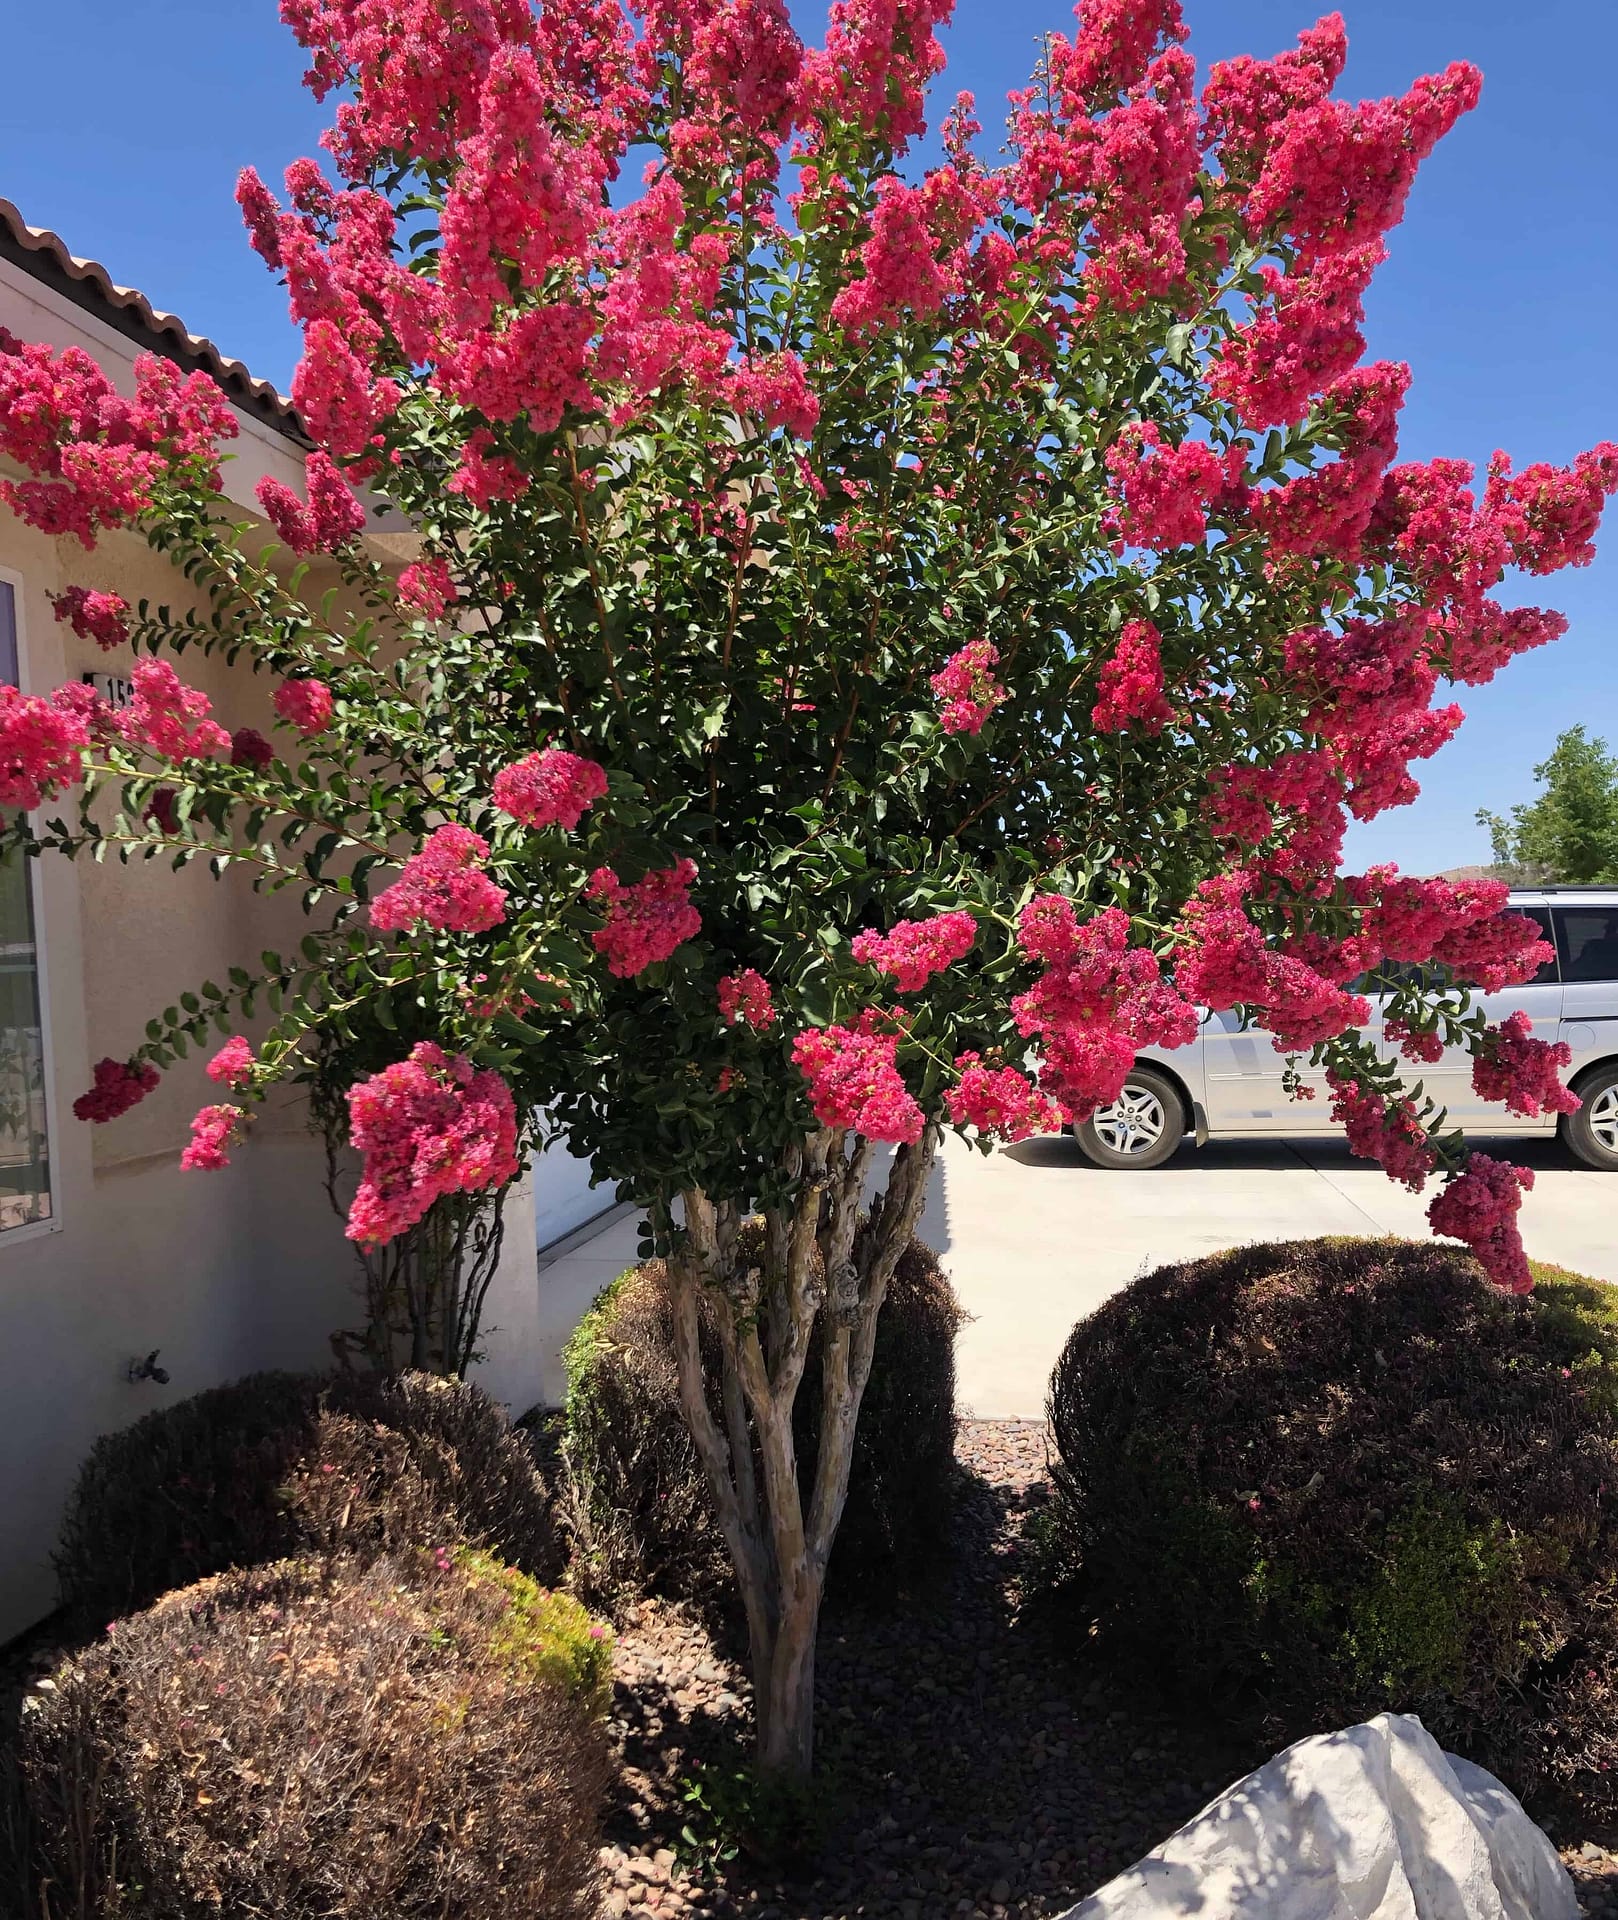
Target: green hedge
x,y
1305,1482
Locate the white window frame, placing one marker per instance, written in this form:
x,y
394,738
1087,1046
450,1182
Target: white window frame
x,y
37,1229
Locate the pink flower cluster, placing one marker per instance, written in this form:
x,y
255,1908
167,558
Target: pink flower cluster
x,y
336,398
1334,178
168,718
1129,688
1098,1001
118,1086
443,886
427,586
874,69
917,949
746,997
1462,924
428,1126
901,273
1226,962
855,1082
1163,492
97,458
306,705
551,788
41,749
1001,1102
775,388
1414,1043
1521,1072
214,1131
646,920
101,617
232,1065
333,518
1389,1132
967,686
1480,1206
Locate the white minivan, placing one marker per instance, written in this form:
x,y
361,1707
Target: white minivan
x,y
1226,1084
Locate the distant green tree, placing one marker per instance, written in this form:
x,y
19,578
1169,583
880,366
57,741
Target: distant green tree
x,y
1570,833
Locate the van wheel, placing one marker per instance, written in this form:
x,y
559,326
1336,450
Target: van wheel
x,y
1142,1128
1591,1134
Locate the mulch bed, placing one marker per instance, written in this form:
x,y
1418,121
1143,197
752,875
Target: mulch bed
x,y
969,1765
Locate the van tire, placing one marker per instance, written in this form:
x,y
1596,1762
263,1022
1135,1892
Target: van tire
x,y
1150,1113
1591,1134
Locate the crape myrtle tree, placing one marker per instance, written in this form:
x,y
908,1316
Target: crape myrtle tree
x,y
888,642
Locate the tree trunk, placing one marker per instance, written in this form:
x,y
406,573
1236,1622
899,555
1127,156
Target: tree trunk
x,y
819,1262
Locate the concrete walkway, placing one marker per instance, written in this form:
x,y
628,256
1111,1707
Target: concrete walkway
x,y
1034,1238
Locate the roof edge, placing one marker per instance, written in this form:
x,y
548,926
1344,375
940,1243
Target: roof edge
x,y
45,257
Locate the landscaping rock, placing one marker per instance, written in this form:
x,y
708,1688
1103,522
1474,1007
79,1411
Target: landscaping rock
x,y
1373,1823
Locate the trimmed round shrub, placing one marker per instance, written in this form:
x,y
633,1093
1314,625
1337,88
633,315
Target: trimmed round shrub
x,y
283,1464
420,1736
1309,1482
638,1501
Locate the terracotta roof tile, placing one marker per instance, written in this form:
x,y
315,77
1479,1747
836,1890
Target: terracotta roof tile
x,y
44,255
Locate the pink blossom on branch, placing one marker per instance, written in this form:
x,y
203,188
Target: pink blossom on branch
x,y
1097,1003
1002,1103
552,788
1521,1072
1129,688
745,998
1164,493
232,1065
647,919
855,1082
101,617
427,586
214,1131
428,1126
306,705
1387,1131
170,719
1480,1206
41,749
442,886
968,688
917,949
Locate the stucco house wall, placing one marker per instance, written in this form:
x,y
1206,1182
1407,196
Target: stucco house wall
x,y
225,1272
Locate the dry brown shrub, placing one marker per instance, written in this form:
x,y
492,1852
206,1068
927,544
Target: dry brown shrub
x,y
281,1464
419,1737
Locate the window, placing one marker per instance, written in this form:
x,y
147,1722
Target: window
x,y
25,1175
1547,975
1588,937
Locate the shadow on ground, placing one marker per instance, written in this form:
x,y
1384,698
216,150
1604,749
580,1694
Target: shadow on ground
x,y
972,1758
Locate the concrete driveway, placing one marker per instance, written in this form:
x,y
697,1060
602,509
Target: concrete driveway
x,y
1034,1238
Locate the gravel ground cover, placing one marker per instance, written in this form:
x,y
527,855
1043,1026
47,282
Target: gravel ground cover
x,y
971,1767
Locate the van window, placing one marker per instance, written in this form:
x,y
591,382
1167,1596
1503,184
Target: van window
x,y
1541,917
1588,937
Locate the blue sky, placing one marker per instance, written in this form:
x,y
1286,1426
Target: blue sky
x,y
125,126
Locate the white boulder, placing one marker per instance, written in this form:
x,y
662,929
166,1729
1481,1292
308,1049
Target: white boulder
x,y
1374,1823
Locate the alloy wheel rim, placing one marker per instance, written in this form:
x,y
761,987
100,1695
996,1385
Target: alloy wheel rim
x,y
1604,1119
1134,1123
